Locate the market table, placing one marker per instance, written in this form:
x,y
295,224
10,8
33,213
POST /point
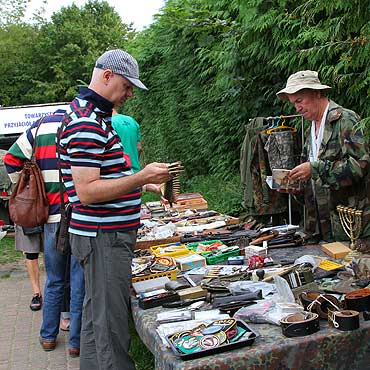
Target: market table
x,y
327,349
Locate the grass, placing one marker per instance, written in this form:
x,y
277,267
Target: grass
x,y
222,194
142,357
8,254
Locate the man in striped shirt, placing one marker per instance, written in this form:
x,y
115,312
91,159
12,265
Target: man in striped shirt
x,y
55,263
106,198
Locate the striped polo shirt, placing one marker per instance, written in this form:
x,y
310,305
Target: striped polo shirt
x,y
46,158
88,140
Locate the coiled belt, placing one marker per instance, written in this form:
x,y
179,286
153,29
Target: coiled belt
x,y
359,300
300,324
319,303
344,320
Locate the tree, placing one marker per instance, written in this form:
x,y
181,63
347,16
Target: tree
x,y
12,11
213,64
66,48
15,40
187,60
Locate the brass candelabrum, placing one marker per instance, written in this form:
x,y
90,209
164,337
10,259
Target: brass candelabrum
x,y
351,220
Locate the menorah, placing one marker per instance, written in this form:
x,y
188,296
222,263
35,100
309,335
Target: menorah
x,y
351,220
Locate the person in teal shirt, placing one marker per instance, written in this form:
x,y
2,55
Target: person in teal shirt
x,y
129,132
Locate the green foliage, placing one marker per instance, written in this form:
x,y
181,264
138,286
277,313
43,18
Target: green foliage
x,y
67,49
53,57
223,195
187,115
149,197
15,40
211,65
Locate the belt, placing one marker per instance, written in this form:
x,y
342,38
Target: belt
x,y
319,303
300,324
344,320
359,300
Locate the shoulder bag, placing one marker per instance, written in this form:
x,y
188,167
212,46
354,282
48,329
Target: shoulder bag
x,y
28,204
63,245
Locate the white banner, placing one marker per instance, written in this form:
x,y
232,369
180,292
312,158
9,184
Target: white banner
x,y
15,120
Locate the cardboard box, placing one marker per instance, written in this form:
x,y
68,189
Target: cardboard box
x,y
190,261
192,293
150,285
336,249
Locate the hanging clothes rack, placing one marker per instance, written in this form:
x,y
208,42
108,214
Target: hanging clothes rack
x,y
292,116
302,137
302,133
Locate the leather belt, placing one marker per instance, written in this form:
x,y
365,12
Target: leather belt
x,y
319,303
345,320
300,324
359,300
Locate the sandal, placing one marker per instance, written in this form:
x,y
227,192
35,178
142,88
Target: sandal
x,y
36,302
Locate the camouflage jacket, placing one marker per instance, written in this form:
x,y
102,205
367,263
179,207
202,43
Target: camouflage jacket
x,y
265,200
340,175
252,130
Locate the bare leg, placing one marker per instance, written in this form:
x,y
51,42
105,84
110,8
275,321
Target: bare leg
x,y
30,245
34,274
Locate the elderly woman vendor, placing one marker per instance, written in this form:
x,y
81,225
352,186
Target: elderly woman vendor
x,y
335,168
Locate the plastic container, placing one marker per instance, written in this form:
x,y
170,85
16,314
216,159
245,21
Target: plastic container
x,y
172,275
178,250
222,257
194,246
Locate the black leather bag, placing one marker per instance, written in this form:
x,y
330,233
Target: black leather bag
x,y
63,245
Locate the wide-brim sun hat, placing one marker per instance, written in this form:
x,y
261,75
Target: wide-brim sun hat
x,y
302,80
122,63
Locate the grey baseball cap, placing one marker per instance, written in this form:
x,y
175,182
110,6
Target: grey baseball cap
x,y
302,80
121,63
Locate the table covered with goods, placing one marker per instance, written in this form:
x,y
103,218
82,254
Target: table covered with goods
x,y
212,292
